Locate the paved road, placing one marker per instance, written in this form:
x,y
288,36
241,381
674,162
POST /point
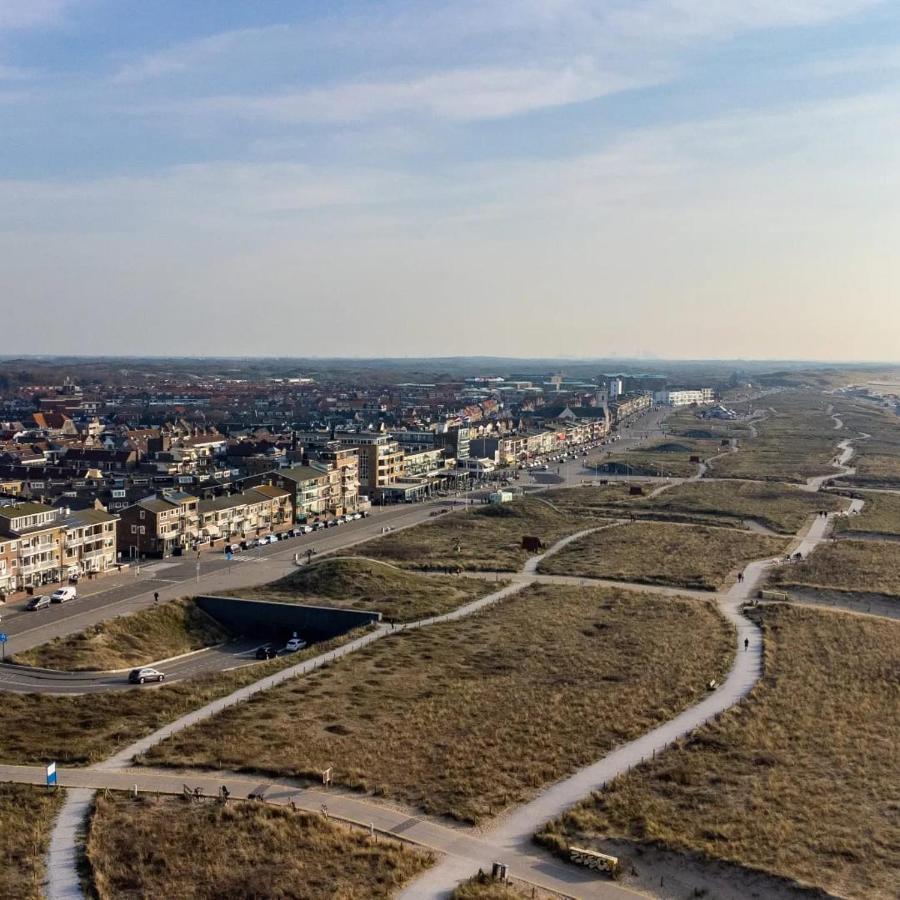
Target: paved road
x,y
173,578
26,680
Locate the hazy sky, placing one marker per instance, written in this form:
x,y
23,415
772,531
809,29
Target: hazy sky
x,y
685,178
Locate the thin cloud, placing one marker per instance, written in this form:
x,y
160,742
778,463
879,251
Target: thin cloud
x,y
457,95
16,14
188,55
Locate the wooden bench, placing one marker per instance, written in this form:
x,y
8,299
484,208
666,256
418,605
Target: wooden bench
x,y
593,859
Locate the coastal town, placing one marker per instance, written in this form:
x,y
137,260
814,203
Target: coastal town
x,y
94,477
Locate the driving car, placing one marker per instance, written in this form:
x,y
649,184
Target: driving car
x,y
63,594
39,602
267,651
294,644
145,673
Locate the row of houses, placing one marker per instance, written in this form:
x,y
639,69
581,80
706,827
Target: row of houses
x,y
42,544
172,521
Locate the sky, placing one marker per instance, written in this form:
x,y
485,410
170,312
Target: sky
x,y
566,178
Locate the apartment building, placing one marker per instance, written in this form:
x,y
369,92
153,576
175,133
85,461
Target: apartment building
x,y
310,490
89,542
161,525
259,510
685,396
380,459
9,564
39,542
630,405
342,464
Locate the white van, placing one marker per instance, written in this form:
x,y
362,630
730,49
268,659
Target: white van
x,y
63,594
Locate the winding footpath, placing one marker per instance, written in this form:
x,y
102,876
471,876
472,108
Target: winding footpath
x,y
464,851
63,880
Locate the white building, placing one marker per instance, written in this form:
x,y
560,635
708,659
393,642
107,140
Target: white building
x,y
684,397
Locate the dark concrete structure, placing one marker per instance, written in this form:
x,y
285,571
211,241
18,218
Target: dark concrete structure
x,y
276,621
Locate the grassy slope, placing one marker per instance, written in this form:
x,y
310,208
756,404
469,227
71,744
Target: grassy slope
x,y
82,729
484,888
170,848
801,781
487,538
795,442
151,634
880,515
877,460
372,585
26,816
659,553
781,507
667,457
859,566
469,717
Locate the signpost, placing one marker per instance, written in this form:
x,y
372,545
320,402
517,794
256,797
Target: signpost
x,y
51,775
4,637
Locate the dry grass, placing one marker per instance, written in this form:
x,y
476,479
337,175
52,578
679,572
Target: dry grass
x,y
801,781
399,595
877,458
152,634
660,553
483,887
880,515
870,567
26,817
669,457
470,717
206,851
794,443
781,507
488,538
82,729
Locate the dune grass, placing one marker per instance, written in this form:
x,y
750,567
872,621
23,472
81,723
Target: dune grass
x,y
83,729
469,717
800,781
693,556
26,817
794,443
880,515
160,632
483,887
667,457
871,567
400,595
780,507
487,538
169,847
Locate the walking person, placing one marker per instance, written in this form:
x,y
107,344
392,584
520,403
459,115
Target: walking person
x,y
746,644
156,597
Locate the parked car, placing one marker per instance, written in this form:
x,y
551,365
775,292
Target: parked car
x,y
63,594
306,529
139,676
294,644
39,602
267,651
